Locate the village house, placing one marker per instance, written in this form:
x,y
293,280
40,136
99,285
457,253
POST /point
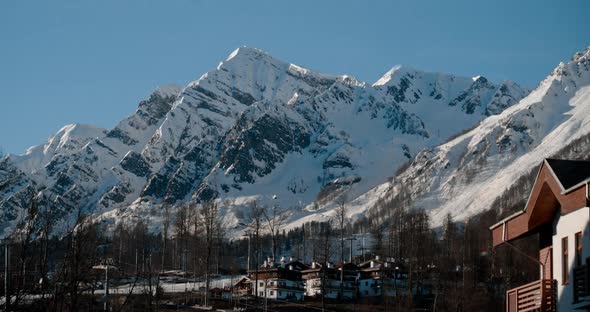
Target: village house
x,y
279,281
556,210
328,279
242,288
379,278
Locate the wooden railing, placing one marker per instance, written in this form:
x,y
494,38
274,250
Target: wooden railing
x,y
581,281
536,296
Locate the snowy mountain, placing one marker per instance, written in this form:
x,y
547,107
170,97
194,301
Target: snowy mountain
x,y
254,127
468,174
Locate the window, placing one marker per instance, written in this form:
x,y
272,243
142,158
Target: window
x,y
272,293
564,262
261,284
578,249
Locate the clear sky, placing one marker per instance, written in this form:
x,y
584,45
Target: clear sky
x,y
92,61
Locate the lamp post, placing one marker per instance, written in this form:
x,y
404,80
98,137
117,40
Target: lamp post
x,y
256,227
350,239
105,266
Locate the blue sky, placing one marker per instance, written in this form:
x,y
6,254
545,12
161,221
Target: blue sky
x,y
92,61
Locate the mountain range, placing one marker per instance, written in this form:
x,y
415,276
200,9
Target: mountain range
x,y
258,128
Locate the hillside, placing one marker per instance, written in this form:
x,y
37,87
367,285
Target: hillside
x,y
254,127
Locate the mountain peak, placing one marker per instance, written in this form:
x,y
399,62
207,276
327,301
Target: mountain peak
x,y
253,60
395,71
244,56
77,132
247,52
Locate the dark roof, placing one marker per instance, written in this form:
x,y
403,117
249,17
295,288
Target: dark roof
x,y
570,172
347,266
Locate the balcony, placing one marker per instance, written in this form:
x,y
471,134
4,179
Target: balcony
x,y
536,296
582,285
285,287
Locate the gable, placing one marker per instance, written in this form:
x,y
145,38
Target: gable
x,y
569,172
547,198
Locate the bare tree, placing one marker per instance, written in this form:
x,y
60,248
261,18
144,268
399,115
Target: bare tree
x,y
341,223
325,233
211,225
22,240
275,220
256,217
44,235
182,226
81,254
166,227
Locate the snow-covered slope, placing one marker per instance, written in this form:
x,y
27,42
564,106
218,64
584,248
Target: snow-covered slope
x,y
465,175
255,127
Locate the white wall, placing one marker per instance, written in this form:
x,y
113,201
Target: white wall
x,y
274,292
568,225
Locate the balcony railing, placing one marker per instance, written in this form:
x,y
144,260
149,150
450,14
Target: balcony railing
x,y
582,282
536,296
291,287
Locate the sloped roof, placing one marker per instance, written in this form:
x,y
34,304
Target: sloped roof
x,y
558,188
569,172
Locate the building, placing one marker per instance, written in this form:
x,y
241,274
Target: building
x,y
243,287
334,282
279,281
350,276
378,278
557,210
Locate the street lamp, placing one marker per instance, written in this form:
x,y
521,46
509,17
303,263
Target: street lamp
x,y
105,266
350,239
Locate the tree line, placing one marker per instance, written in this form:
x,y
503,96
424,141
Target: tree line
x,y
457,260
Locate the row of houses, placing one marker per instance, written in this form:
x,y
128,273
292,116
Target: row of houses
x,y
557,211
294,280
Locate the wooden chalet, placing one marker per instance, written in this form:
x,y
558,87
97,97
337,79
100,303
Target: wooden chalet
x,y
326,280
279,281
382,278
557,210
243,287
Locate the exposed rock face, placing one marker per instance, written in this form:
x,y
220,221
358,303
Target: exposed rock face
x,y
465,175
252,127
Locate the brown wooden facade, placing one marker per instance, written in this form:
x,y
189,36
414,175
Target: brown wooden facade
x,y
561,189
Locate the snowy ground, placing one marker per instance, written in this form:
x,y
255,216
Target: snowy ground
x,y
173,286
